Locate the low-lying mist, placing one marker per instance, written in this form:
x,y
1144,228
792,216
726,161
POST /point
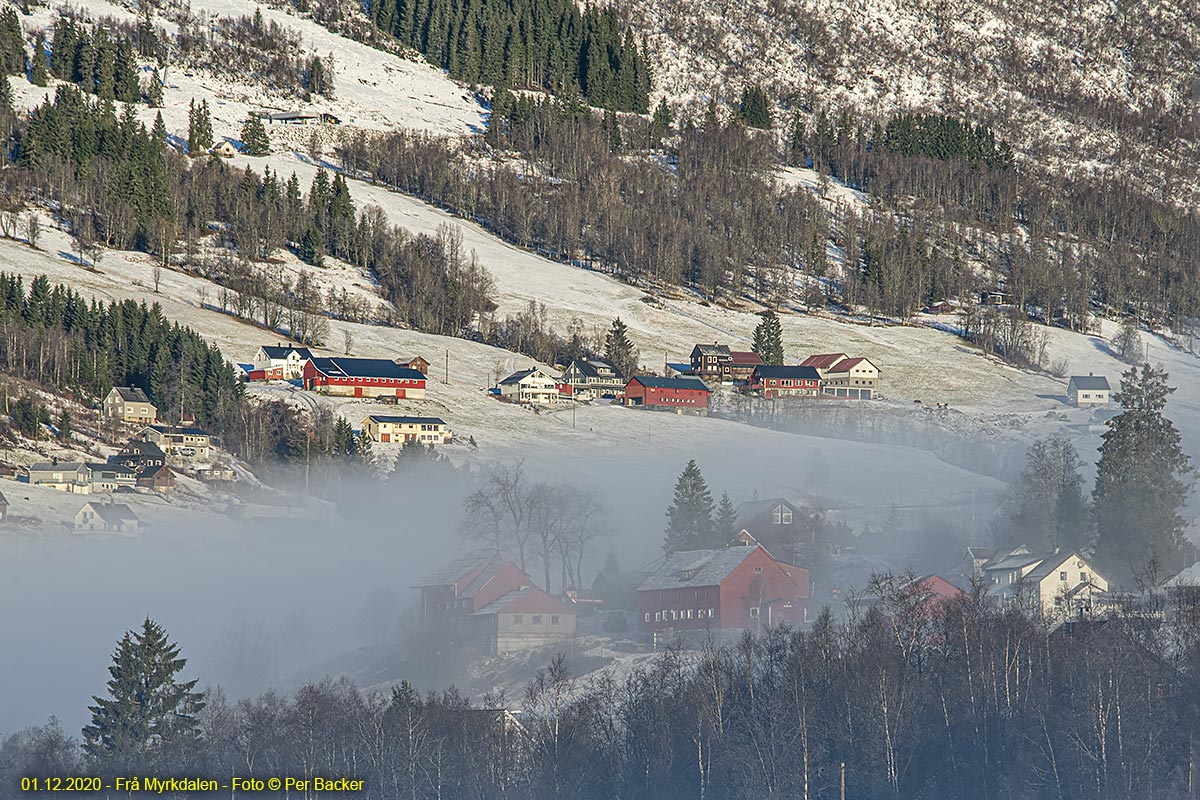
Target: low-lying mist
x,y
255,605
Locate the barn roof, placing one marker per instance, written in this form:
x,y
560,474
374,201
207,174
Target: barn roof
x,y
745,358
393,420
684,382
364,368
527,600
688,568
788,372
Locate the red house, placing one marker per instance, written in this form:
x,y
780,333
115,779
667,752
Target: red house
x,y
683,394
785,381
363,377
731,588
466,585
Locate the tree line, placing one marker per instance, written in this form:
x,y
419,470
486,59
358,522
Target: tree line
x,y
912,696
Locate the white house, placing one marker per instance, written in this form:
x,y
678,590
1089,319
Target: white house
x,y
530,386
107,517
1088,390
284,362
1060,584
66,476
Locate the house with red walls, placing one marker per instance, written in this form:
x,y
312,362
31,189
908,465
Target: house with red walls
x,y
363,377
684,395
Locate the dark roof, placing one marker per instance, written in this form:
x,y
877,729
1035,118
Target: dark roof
x,y
110,467
518,376
177,430
651,382
365,368
756,509
149,473
273,351
787,371
407,420
144,448
113,513
62,466
131,394
591,367
712,350
689,568
1090,382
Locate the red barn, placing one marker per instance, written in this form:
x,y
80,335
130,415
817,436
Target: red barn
x,y
785,381
684,394
732,588
363,377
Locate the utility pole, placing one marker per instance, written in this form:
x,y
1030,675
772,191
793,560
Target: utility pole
x,y
447,381
843,780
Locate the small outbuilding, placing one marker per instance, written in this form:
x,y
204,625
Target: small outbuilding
x,y
1088,390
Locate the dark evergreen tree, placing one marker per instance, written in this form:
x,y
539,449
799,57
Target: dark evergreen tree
x,y
768,338
254,137
690,516
619,350
149,715
755,107
725,522
154,90
1142,481
660,124
39,70
311,247
12,42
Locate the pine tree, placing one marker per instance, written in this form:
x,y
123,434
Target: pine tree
x,y
755,107
768,338
39,70
726,519
148,714
661,123
254,137
311,246
343,444
1142,480
154,92
158,134
690,516
12,42
619,351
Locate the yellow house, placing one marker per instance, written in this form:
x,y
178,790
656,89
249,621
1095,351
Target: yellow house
x,y
426,430
128,404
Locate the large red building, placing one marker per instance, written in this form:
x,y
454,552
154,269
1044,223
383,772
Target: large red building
x,y
466,585
684,394
731,588
363,377
785,381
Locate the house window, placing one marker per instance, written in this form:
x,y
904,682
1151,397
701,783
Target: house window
x,y
1062,576
537,619
657,616
554,619
647,616
518,619
758,570
1083,578
753,612
710,613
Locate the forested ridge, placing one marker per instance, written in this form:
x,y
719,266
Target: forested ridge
x,y
912,697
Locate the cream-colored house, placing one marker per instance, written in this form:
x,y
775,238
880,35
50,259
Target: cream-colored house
x,y
66,476
128,404
530,386
282,361
426,430
178,441
855,378
106,517
1088,390
519,620
1059,584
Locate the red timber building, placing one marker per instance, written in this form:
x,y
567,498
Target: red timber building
x,y
740,587
466,585
785,381
363,377
685,394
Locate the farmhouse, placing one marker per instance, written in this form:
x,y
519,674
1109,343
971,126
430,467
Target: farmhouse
x,y
224,149
160,479
1088,390
855,378
187,442
416,362
682,395
111,477
530,387
363,377
128,404
706,359
426,430
519,620
739,366
592,378
107,517
139,455
281,362
727,589
784,381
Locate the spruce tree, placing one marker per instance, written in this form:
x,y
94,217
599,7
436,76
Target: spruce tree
x,y
660,125
12,42
726,519
768,338
148,715
154,91
254,137
690,516
619,351
1048,509
39,70
1142,481
311,246
755,107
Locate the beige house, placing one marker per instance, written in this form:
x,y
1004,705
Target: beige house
x,y
176,441
282,361
855,378
1059,584
106,517
426,430
66,476
224,149
521,619
1088,390
530,386
128,404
